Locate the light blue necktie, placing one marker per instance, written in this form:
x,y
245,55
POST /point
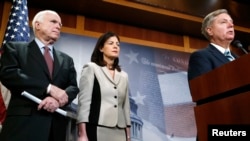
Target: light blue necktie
x,y
229,55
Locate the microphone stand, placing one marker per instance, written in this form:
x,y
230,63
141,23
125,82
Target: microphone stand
x,y
238,44
243,49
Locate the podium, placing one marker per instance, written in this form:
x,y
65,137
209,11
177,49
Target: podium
x,y
222,96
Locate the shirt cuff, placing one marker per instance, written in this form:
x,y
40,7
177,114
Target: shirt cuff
x,y
48,89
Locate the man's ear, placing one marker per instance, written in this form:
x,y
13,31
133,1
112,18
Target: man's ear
x,y
209,31
37,25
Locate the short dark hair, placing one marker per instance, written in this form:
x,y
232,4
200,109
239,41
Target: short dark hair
x,y
97,55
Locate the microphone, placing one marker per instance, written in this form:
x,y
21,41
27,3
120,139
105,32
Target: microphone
x,y
238,44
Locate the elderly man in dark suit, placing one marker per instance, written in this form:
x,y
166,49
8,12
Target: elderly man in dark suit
x,y
23,68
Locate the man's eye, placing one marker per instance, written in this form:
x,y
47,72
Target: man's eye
x,y
53,21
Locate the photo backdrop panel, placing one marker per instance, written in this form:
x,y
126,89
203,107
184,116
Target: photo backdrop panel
x,y
161,105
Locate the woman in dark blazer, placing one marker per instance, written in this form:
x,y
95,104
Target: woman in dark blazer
x,y
103,101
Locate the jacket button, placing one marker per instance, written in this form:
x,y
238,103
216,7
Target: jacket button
x,y
115,106
114,87
115,96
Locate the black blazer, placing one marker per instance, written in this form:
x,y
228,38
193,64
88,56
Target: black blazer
x,y
205,60
23,68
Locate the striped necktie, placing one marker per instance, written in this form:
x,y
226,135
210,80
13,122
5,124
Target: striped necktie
x,y
48,60
229,55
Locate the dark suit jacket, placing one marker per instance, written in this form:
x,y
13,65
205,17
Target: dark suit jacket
x,y
205,60
23,68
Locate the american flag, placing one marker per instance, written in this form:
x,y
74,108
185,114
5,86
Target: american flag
x,y
17,30
18,24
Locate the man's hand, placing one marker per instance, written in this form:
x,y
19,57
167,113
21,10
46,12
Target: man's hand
x,y
59,94
49,103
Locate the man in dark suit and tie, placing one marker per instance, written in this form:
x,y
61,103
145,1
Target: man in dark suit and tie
x,y
218,28
23,68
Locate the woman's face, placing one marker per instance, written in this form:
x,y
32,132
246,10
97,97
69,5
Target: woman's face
x,y
111,48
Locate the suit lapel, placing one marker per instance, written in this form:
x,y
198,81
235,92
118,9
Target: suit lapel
x,y
217,54
35,53
117,75
58,60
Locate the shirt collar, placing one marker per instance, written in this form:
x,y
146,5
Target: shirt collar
x,y
221,49
41,45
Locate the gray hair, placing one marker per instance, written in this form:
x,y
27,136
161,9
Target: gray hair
x,y
39,17
208,20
